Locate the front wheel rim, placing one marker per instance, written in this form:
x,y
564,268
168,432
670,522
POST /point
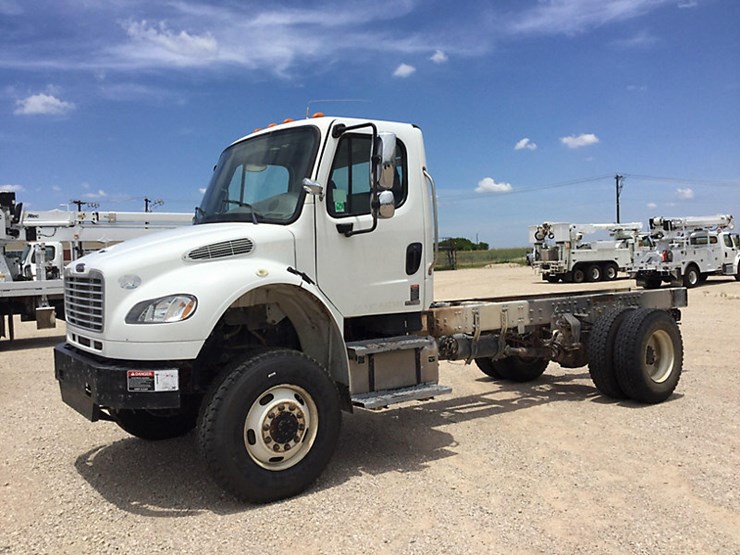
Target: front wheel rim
x,y
281,427
659,356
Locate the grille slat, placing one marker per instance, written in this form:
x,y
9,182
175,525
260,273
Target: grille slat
x,y
84,302
222,250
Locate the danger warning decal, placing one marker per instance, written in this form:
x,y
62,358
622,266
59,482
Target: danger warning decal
x,y
152,380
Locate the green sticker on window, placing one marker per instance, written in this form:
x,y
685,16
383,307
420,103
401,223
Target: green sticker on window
x,y
338,207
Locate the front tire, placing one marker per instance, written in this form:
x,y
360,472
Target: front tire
x,y
692,277
270,426
156,425
649,355
578,275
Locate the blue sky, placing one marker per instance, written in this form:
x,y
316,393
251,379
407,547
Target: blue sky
x,y
529,107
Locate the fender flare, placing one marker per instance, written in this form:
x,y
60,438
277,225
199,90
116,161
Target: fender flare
x,y
318,325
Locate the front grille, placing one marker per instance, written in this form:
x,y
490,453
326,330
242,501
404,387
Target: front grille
x,y
83,302
222,250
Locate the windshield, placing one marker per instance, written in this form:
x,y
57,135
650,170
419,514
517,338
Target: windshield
x,y
260,179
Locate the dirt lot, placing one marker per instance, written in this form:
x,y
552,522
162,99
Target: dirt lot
x,y
546,467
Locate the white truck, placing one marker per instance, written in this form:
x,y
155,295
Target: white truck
x,y
561,254
31,282
688,250
305,289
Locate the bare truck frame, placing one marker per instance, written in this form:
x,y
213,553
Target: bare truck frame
x,y
304,289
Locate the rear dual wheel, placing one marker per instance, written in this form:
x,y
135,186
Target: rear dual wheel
x,y
593,273
611,270
636,354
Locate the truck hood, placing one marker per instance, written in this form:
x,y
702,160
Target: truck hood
x,y
159,252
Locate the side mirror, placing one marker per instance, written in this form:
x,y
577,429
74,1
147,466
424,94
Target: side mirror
x,y
313,188
386,205
385,154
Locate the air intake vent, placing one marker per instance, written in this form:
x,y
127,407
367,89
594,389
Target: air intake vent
x,y
222,250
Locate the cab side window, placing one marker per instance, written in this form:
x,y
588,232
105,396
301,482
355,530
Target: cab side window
x,y
348,191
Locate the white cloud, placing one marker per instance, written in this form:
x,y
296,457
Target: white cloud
x,y
12,188
404,70
688,4
685,193
651,205
585,139
525,143
489,185
56,188
202,190
636,88
42,104
642,39
158,43
99,194
10,7
551,17
439,57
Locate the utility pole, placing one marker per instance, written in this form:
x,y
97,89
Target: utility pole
x,y
81,203
150,205
619,182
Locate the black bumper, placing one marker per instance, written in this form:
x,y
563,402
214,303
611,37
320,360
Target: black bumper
x,y
87,384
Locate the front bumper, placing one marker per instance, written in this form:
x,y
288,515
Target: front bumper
x,y
88,385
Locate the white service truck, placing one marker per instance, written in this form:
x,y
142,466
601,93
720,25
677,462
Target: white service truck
x,y
31,279
561,254
688,250
305,289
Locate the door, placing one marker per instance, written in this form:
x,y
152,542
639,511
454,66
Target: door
x,y
368,272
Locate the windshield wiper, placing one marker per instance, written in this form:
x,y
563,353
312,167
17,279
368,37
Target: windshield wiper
x,y
241,204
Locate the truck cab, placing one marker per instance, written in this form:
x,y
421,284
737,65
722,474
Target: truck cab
x,y
290,221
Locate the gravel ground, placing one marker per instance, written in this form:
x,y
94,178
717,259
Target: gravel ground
x,y
547,467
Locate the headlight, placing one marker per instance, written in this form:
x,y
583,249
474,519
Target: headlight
x,y
174,308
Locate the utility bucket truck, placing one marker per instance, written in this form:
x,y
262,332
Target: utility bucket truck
x,y
561,254
305,289
31,283
689,250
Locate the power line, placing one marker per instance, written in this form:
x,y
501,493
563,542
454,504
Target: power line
x,y
694,181
463,196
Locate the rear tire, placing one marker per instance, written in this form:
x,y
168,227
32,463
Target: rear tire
x,y
649,355
269,426
610,272
487,367
601,353
593,273
653,283
518,369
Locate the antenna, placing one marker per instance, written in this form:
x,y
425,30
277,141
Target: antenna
x,y
308,105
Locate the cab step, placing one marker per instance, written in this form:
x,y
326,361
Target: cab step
x,y
384,398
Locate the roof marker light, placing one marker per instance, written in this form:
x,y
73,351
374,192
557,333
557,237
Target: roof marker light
x,y
318,115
